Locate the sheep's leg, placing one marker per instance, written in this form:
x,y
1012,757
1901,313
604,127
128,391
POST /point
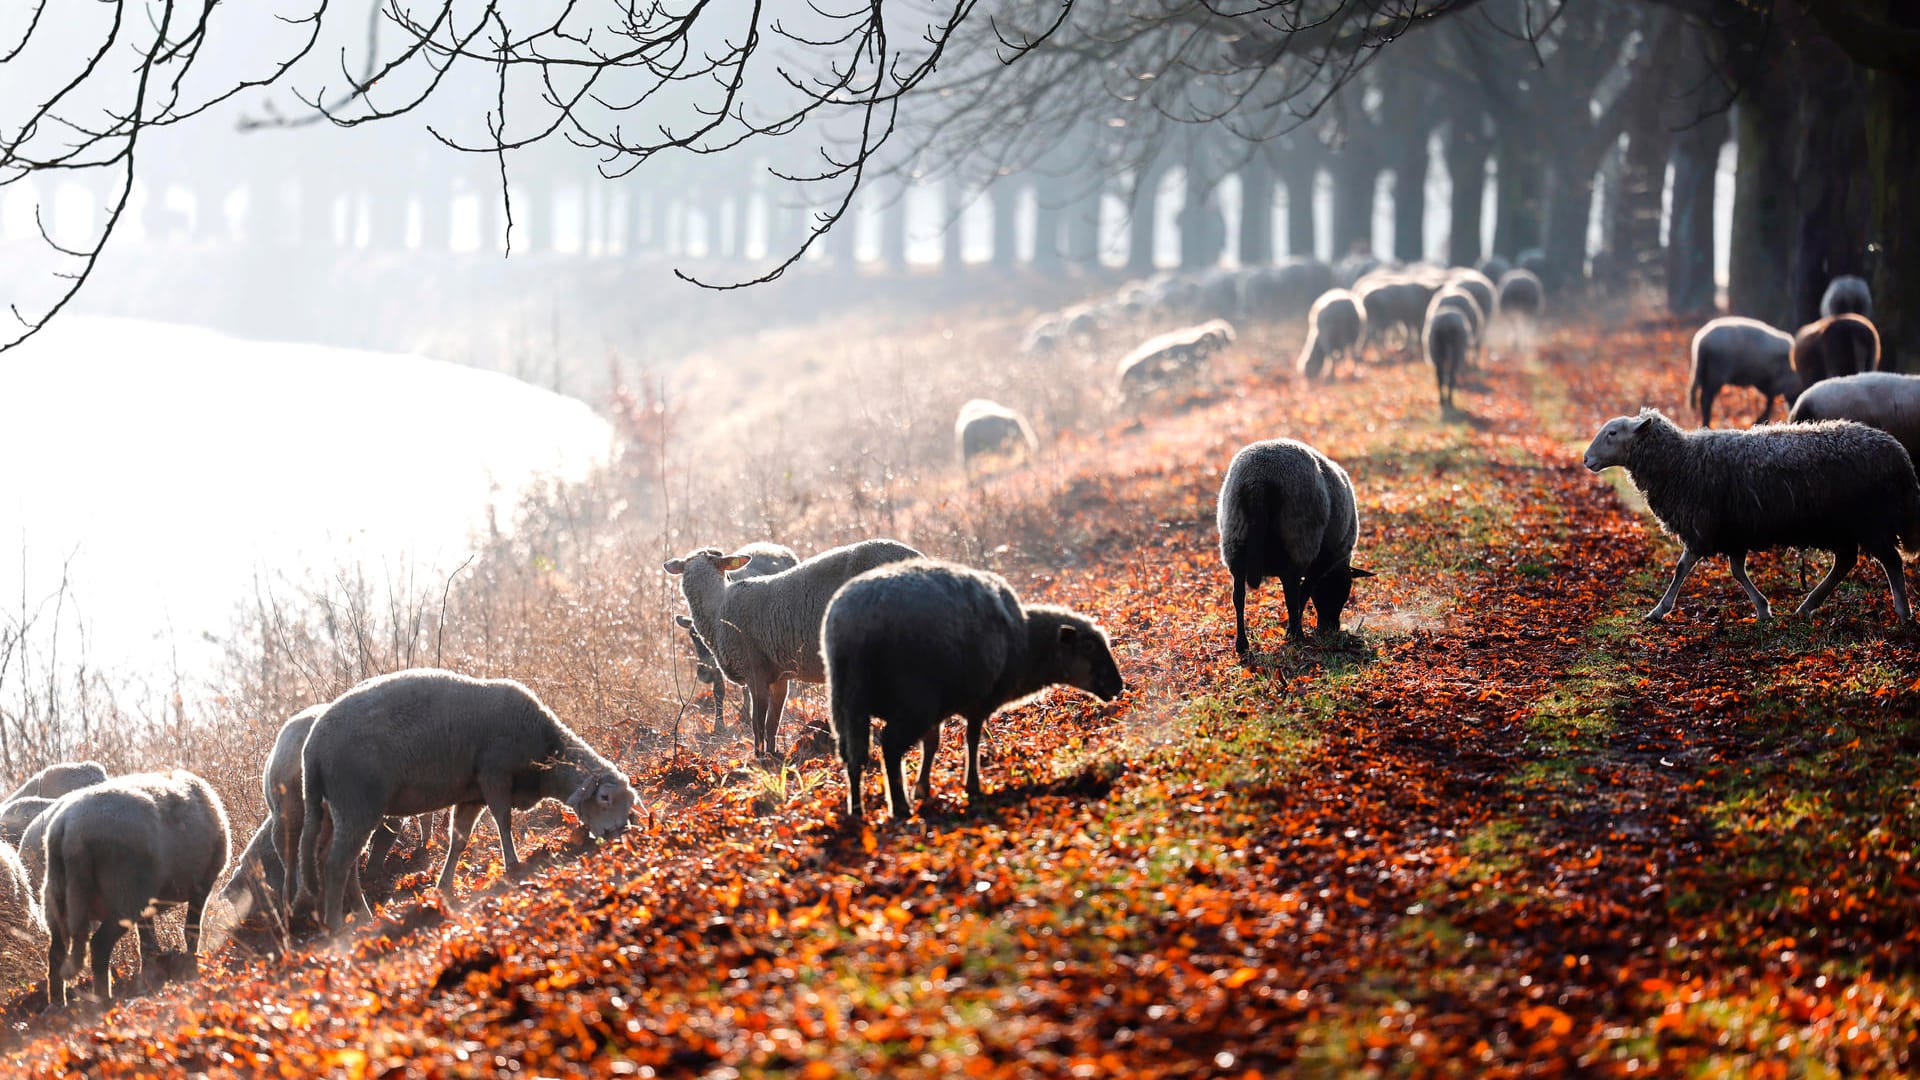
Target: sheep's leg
x,y
342,865
976,725
776,704
1707,393
459,825
56,963
890,755
196,909
929,749
1296,592
104,939
1843,561
756,712
497,789
1687,560
1889,560
1761,610
1766,410
385,835
1240,615
854,733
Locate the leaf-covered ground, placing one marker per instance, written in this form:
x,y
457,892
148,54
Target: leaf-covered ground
x,y
1503,829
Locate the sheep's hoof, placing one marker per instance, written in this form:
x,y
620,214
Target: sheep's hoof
x,y
1655,615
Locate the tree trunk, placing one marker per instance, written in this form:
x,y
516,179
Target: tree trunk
x,y
1467,169
893,227
1568,213
1354,173
1256,211
1519,189
1893,158
1143,218
1047,223
316,213
1004,196
952,236
1083,229
1410,196
1831,177
1203,228
1297,171
1764,210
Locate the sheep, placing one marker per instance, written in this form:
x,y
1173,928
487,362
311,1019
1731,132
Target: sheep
x,y
1834,346
1335,327
56,780
1392,301
33,850
1520,300
1447,339
1833,485
1738,351
17,814
23,929
259,876
1455,298
1847,295
986,427
763,558
1878,399
1480,287
116,849
917,641
422,740
1166,357
1286,511
1495,267
765,631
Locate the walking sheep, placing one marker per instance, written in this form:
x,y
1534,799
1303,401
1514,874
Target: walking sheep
x,y
423,740
1286,511
986,427
1878,399
1448,339
1335,326
763,558
23,930
915,642
1738,351
56,780
1847,295
114,851
1834,485
1835,346
765,631
1455,298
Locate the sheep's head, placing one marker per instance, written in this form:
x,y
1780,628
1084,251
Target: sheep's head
x,y
604,804
709,556
1615,441
1086,658
1331,591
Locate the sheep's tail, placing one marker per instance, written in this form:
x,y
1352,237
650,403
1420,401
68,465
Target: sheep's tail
x,y
306,884
852,726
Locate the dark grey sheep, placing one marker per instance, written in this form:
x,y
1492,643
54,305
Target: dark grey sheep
x,y
17,813
57,780
1447,339
1479,286
1737,351
1878,399
1847,294
1286,511
1495,267
986,427
1835,485
915,642
766,631
1455,298
1391,301
423,740
114,851
1335,326
1835,346
763,558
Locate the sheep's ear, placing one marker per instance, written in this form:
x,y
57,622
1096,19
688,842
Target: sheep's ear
x,y
675,566
683,622
1068,635
1640,421
730,563
580,796
1356,573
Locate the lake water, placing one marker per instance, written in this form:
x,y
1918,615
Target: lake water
x,y
170,468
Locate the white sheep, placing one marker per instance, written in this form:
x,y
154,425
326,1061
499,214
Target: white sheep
x,y
116,849
423,740
765,631
763,558
987,427
56,780
1336,325
1879,399
1176,354
17,813
1737,351
915,642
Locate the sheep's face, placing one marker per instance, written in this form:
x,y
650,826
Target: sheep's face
x,y
705,556
1614,442
604,804
1089,662
1331,592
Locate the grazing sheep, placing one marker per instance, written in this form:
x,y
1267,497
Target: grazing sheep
x,y
423,740
1455,298
1335,326
763,558
56,780
1834,485
1286,511
1878,399
1447,339
33,850
1167,357
766,631
986,427
1520,301
23,930
1847,295
17,814
259,876
114,851
1391,301
1834,346
915,642
1738,351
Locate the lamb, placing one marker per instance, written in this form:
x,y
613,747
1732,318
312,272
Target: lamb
x,y
1847,295
1286,511
1737,351
56,780
116,849
1834,485
23,930
1335,327
765,631
422,740
986,427
1834,346
17,814
763,558
1447,339
915,642
1878,399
